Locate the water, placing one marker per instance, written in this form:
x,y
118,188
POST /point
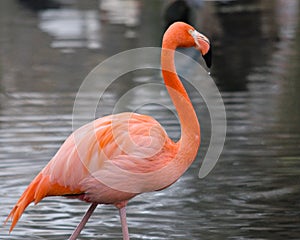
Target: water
x,y
252,193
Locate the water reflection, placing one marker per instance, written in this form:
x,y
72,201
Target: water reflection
x,y
125,12
71,28
79,28
253,193
236,60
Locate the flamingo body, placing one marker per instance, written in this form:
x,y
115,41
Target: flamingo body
x,y
114,158
70,172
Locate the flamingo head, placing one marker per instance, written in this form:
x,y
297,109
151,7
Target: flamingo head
x,y
181,34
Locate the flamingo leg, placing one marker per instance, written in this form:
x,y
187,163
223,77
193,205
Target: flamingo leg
x,y
84,220
122,212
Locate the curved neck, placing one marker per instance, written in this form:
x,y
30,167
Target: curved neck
x,y
190,128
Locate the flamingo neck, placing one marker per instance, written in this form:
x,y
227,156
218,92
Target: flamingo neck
x,y
190,128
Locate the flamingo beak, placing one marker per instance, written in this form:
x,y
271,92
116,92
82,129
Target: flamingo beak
x,y
203,45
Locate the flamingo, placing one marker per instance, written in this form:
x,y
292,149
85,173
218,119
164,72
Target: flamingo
x,y
114,158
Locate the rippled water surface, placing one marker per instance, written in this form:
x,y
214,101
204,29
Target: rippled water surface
x,y
253,192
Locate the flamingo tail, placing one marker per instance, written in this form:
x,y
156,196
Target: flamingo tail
x,y
34,192
39,188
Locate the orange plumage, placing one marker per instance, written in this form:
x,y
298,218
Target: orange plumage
x,y
114,158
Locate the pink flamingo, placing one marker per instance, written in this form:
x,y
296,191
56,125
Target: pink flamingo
x,y
114,158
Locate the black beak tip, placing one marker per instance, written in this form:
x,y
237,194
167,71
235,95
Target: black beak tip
x,y
208,58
